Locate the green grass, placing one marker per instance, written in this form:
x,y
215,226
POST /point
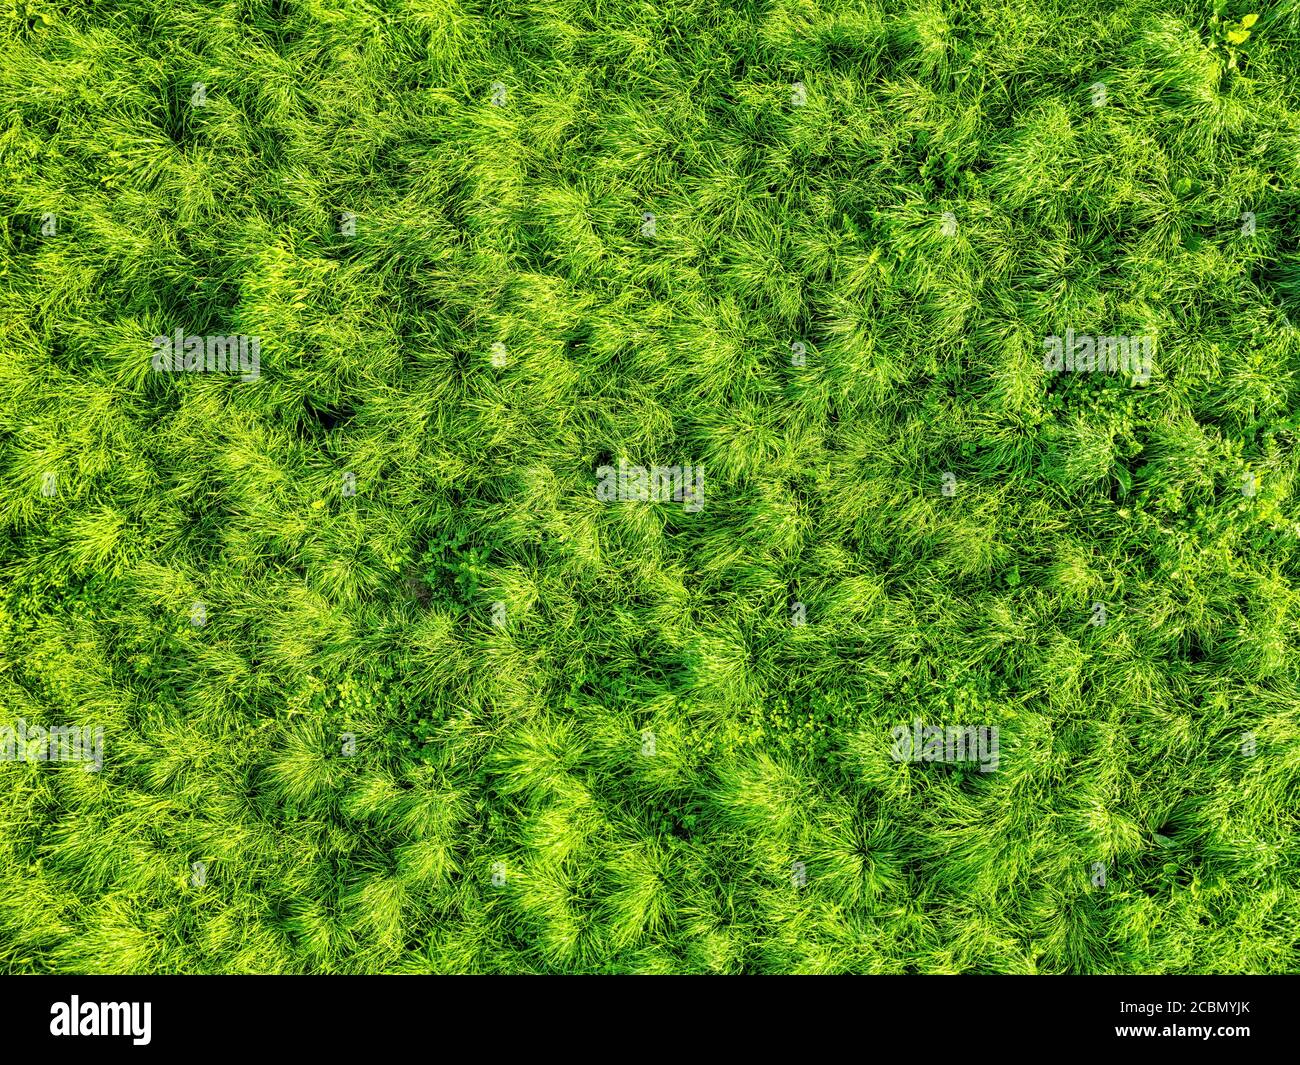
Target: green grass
x,y
618,768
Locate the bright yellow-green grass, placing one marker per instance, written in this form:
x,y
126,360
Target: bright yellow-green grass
x,y
363,660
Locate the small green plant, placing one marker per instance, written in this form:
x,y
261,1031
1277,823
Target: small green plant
x,y
453,565
1228,35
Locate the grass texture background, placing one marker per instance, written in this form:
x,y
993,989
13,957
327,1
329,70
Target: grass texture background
x,y
498,814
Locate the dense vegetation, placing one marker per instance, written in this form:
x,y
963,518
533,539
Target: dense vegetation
x,y
385,686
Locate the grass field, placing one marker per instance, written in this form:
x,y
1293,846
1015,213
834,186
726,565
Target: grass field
x,y
332,335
